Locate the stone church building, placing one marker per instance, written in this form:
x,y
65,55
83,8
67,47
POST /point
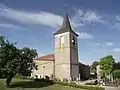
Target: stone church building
x,y
64,63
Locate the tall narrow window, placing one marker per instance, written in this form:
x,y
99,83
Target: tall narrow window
x,y
43,66
73,41
61,40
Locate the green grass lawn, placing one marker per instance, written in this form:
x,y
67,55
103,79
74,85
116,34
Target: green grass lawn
x,y
23,84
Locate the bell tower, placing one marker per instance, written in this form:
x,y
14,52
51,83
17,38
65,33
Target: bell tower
x,y
66,52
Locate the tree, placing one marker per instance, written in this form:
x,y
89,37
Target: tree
x,y
93,66
26,61
106,64
116,66
116,74
14,60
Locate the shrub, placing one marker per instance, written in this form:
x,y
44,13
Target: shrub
x,y
57,80
65,80
47,81
2,86
72,84
21,76
52,77
41,80
46,77
116,74
36,76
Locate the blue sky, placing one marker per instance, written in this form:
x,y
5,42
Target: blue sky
x,y
32,23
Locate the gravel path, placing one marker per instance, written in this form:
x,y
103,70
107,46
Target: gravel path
x,y
112,88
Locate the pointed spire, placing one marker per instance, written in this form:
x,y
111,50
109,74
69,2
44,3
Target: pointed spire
x,y
66,22
66,27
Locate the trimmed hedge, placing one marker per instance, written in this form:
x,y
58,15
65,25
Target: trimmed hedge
x,y
72,84
44,80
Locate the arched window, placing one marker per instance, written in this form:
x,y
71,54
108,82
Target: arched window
x,y
73,41
61,40
43,66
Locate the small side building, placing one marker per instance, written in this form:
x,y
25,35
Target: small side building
x,y
84,71
45,66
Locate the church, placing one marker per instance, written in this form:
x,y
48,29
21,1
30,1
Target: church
x,y
64,63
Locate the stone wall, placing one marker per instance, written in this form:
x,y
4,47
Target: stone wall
x,y
44,68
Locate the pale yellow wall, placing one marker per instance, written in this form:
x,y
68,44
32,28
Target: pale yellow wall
x,y
48,70
62,56
66,57
62,71
57,40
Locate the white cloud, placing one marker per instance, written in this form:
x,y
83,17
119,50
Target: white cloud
x,y
49,19
85,35
92,17
82,18
116,26
87,62
118,18
77,19
6,25
116,49
39,52
109,43
104,44
104,52
96,50
97,44
45,18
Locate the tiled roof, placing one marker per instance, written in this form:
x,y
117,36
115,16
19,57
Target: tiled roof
x,y
49,57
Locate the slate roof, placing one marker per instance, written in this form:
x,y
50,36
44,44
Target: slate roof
x,y
66,27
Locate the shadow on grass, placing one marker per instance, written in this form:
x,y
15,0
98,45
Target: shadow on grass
x,y
30,84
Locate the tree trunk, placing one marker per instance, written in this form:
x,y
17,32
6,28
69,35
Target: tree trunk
x,y
9,78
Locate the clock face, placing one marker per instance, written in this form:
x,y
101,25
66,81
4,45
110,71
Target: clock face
x,y
61,40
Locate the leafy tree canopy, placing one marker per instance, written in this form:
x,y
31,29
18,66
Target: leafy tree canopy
x,y
93,66
116,73
14,60
106,64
